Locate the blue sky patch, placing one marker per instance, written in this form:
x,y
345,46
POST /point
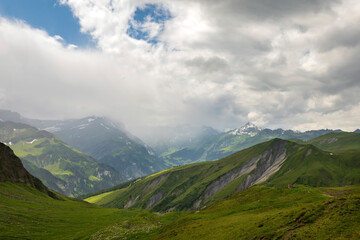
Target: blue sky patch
x,y
49,15
153,13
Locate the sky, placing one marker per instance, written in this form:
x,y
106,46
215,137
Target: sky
x,y
279,63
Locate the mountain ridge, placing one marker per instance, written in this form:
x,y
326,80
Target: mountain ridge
x,y
61,167
224,144
103,139
276,163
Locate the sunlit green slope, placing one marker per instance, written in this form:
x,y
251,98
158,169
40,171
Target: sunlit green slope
x,y
295,212
274,163
59,166
337,142
26,213
275,213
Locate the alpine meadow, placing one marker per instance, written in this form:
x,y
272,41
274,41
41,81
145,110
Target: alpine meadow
x,y
184,119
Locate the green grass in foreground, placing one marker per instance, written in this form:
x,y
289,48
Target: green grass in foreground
x,y
275,213
256,213
25,213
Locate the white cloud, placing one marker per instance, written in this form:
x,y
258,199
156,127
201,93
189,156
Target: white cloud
x,y
285,64
59,38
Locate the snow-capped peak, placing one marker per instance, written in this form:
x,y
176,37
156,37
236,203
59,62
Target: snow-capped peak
x,y
249,125
90,119
248,129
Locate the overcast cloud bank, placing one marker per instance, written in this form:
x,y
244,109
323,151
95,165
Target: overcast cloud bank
x,y
290,64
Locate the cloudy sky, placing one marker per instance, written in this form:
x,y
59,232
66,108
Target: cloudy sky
x,y
279,63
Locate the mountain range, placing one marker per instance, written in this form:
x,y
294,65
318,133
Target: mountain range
x,y
59,166
275,163
109,143
110,146
105,140
286,201
213,145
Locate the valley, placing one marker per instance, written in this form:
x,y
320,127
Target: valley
x,y
179,120
299,186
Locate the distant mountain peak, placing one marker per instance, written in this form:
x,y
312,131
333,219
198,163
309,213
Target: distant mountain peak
x,y
249,125
248,129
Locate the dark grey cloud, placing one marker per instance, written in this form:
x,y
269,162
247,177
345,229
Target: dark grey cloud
x,y
208,65
346,36
343,75
275,9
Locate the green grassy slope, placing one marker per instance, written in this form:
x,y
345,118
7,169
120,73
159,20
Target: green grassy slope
x,y
179,188
108,143
44,154
260,212
26,213
337,142
256,213
103,139
311,166
182,185
275,213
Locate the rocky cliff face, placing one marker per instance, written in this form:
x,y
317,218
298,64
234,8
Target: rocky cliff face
x,y
268,164
195,186
256,170
12,170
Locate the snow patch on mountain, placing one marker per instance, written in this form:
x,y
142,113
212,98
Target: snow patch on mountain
x,y
104,126
248,129
31,142
90,119
52,129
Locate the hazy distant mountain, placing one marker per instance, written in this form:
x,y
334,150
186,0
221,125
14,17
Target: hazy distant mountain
x,y
105,140
221,145
7,115
59,166
109,143
357,131
163,139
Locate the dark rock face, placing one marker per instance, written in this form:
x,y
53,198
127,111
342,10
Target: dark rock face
x,y
258,170
12,170
270,162
222,181
154,199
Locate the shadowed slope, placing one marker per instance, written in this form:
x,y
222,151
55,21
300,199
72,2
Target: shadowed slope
x,y
12,170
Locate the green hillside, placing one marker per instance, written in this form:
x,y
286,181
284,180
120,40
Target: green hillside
x,y
275,213
59,166
108,143
273,163
12,170
337,142
26,213
101,138
257,213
